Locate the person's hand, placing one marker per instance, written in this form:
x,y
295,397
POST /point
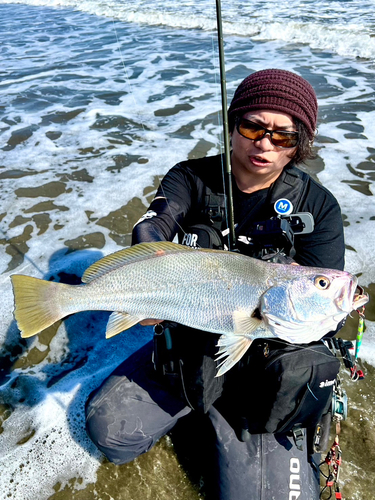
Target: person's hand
x,y
150,322
284,259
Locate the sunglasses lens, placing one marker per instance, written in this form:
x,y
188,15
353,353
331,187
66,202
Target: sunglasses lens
x,y
256,132
250,130
285,139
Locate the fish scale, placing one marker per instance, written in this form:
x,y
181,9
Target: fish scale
x,y
200,279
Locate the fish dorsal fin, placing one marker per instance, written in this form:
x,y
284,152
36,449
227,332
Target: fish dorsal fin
x,y
118,322
130,255
244,322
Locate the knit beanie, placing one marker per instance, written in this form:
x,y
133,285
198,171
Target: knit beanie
x,y
276,90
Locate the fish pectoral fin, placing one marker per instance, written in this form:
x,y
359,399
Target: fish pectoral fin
x,y
244,322
118,322
232,348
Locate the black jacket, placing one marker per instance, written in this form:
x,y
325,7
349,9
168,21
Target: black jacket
x,y
182,196
181,202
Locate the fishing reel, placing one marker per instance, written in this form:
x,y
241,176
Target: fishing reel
x,y
275,236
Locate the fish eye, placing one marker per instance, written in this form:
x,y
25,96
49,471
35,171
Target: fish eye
x,y
322,282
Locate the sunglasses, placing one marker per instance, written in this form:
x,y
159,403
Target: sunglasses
x,y
255,132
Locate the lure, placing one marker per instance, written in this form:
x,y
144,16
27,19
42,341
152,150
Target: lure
x,y
358,374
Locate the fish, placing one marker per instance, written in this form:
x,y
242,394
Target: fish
x,y
225,293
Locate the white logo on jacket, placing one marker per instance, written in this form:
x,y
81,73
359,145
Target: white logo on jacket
x,y
327,383
190,240
148,215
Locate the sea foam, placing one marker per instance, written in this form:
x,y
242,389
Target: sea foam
x,y
346,31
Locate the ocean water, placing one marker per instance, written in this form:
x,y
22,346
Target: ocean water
x,y
97,101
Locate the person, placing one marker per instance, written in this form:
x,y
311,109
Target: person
x,y
272,122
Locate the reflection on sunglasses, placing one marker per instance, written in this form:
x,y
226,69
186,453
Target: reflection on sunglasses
x,y
256,132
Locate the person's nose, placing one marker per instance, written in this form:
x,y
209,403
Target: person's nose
x,y
265,143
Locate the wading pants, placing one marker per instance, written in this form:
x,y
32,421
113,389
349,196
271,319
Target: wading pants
x,y
131,411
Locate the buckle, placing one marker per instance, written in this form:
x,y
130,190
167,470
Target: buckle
x,y
298,436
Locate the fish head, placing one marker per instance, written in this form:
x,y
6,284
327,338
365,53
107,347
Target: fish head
x,y
309,303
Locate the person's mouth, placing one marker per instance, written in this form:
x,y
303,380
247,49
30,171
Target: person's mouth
x,y
259,161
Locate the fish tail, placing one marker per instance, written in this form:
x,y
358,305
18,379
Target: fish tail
x,y
35,309
232,348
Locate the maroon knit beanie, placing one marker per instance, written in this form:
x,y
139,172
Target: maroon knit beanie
x,y
276,90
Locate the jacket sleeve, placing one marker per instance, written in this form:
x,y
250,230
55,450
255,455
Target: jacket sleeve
x,y
168,209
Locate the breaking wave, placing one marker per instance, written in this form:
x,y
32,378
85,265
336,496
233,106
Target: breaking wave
x,y
309,24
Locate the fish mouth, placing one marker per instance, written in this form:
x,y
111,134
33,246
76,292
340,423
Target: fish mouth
x,y
351,297
360,298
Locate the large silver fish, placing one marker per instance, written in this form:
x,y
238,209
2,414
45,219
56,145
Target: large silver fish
x,y
221,292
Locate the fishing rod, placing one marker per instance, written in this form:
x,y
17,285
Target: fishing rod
x,y
224,104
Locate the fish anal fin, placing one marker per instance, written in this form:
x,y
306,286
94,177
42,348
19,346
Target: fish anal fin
x,y
232,348
245,322
118,322
131,255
